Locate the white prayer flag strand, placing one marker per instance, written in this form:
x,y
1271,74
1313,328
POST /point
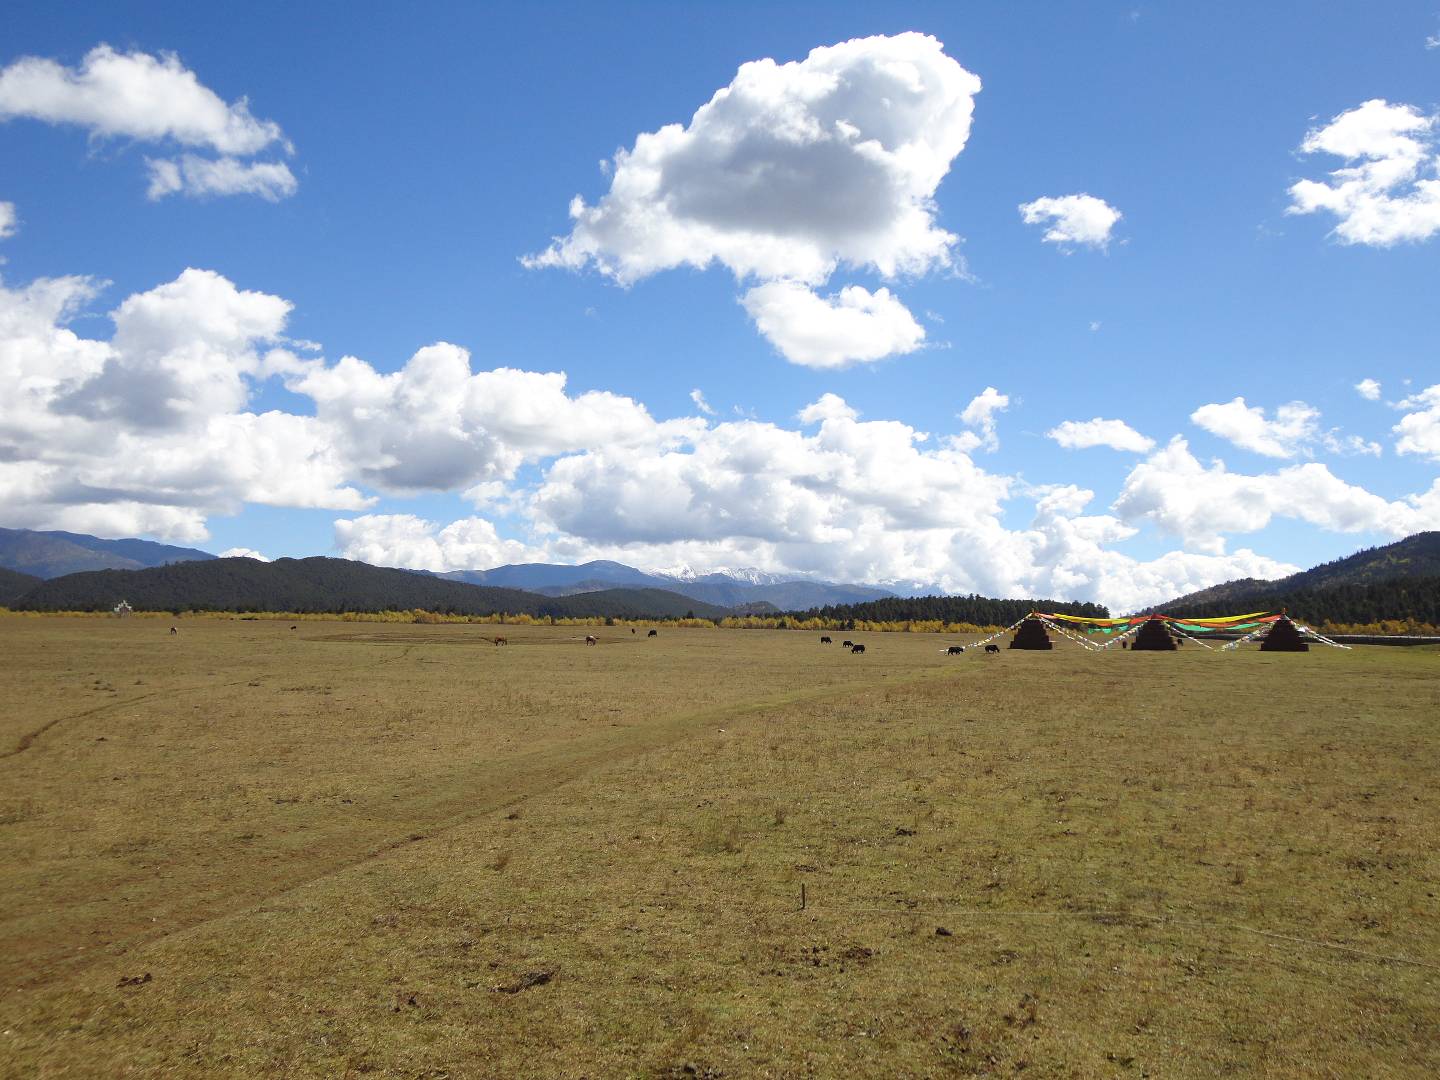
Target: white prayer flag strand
x,y
1197,641
1116,640
997,633
1241,641
1066,633
1299,627
1320,637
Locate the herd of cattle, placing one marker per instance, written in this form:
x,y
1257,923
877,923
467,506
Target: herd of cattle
x,y
591,639
855,647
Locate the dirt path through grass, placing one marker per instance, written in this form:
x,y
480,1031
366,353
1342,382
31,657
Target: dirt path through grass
x,y
176,851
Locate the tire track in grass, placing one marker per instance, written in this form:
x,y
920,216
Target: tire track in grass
x,y
465,798
28,740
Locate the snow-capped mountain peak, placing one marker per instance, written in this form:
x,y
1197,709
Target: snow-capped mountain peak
x,y
745,575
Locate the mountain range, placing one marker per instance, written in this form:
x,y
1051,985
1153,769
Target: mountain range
x,y
53,554
750,589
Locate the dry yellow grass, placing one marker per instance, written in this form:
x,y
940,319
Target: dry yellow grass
x,y
400,851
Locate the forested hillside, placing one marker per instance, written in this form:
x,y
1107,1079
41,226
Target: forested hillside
x,y
1413,558
1396,584
1409,604
14,585
320,585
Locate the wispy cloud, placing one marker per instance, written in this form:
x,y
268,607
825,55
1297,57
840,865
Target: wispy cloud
x,y
154,99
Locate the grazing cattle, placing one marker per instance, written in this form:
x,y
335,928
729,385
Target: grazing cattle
x,y
591,639
502,641
294,628
992,648
825,641
846,644
173,630
857,648
955,650
653,633
632,629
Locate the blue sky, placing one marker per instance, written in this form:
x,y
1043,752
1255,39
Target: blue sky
x,y
411,157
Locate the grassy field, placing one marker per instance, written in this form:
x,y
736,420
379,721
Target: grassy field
x,y
400,851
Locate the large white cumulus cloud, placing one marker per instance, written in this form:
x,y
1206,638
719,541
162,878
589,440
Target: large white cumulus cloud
x,y
788,173
436,425
147,432
180,353
158,415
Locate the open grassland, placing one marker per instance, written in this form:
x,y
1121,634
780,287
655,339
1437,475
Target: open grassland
x,y
402,851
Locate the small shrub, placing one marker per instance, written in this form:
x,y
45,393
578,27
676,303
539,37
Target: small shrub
x,y
722,838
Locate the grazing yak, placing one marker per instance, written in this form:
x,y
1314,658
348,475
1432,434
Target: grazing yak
x,y
502,641
955,650
846,644
173,630
653,633
857,648
992,648
294,628
825,641
591,639
632,629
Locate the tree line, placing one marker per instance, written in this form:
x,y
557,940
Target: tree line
x,y
1412,604
973,610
